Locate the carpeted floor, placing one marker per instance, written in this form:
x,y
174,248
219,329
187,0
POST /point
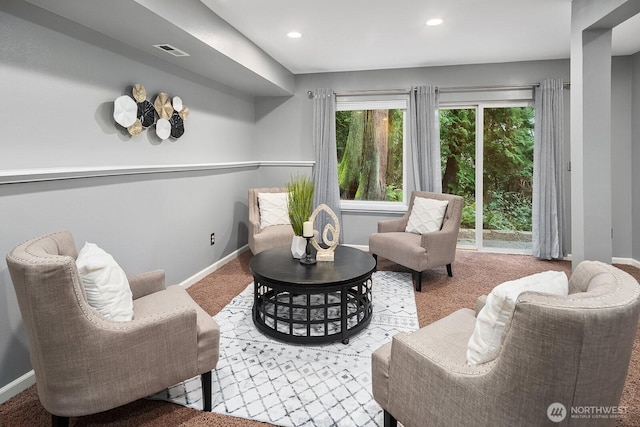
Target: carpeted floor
x,y
474,274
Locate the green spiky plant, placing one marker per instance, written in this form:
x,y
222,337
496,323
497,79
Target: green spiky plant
x,y
300,200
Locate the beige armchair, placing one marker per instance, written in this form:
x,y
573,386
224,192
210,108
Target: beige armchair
x,y
573,350
269,237
420,252
85,363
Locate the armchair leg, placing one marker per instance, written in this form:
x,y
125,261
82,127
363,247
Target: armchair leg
x,y
389,420
206,391
417,276
57,421
449,272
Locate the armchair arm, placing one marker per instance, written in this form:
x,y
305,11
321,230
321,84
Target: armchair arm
x,y
440,346
141,356
440,246
392,225
255,227
146,283
428,373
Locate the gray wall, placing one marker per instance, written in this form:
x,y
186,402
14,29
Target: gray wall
x,y
57,97
283,125
621,159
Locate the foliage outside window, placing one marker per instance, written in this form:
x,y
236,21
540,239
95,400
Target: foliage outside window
x,y
370,149
507,164
508,168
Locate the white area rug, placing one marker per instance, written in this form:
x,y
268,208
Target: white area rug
x,y
301,385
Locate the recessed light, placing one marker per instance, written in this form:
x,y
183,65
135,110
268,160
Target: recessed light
x,y
433,22
294,35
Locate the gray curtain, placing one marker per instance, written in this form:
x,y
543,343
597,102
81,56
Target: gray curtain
x,y
548,171
325,171
424,138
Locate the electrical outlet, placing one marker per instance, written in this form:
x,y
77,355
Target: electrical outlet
x,y
213,238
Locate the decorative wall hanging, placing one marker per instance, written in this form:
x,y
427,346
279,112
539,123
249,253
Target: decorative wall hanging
x,y
137,113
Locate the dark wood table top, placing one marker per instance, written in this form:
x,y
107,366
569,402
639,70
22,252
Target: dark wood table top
x,y
276,265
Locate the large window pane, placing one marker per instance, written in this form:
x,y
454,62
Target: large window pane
x,y
370,154
507,177
458,156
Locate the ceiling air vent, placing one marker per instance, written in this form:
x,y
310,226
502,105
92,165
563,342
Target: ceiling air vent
x,y
170,49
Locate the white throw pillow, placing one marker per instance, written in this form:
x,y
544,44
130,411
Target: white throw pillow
x,y
273,209
426,215
105,283
495,316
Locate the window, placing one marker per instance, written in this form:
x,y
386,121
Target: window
x,y
370,147
487,157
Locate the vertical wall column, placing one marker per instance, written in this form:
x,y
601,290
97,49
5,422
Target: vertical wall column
x,y
592,22
592,188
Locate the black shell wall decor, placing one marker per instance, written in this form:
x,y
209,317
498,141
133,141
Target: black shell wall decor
x,y
136,113
146,113
177,125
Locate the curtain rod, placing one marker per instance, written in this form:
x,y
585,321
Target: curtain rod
x,y
454,89
443,89
310,93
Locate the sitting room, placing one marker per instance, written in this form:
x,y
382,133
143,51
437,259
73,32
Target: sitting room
x,y
467,252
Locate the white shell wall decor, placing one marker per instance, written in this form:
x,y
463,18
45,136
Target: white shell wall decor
x,y
163,129
177,103
135,113
333,229
124,111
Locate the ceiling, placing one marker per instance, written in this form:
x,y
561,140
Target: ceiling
x,y
341,35
243,44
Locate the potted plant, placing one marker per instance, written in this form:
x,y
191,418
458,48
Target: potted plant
x,y
300,201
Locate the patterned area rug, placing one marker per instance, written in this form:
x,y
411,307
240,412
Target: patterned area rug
x,y
284,384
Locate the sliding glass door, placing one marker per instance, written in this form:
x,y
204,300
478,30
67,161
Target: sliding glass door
x,y
487,158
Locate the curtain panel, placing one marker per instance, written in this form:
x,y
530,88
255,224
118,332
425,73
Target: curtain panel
x,y
548,171
325,171
424,138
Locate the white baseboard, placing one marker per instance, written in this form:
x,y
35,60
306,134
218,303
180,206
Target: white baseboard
x,y
17,386
361,247
627,261
213,267
615,260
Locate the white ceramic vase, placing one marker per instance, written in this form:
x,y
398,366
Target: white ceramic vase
x,y
298,247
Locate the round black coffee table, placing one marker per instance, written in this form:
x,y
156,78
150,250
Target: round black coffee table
x,y
308,304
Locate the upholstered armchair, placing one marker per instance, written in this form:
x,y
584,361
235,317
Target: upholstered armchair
x,y
423,251
271,236
86,363
572,350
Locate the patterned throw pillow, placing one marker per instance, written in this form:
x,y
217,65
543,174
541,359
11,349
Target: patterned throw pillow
x,y
273,209
426,215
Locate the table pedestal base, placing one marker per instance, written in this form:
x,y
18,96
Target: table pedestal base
x,y
311,314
